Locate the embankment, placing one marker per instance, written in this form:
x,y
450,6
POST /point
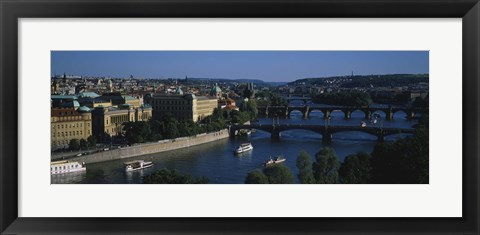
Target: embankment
x,y
149,148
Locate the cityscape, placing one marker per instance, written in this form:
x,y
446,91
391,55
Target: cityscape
x,y
239,117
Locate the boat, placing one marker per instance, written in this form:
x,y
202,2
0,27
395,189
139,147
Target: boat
x,y
245,147
276,160
363,124
62,167
137,165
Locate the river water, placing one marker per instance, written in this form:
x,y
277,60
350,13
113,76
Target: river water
x,y
217,162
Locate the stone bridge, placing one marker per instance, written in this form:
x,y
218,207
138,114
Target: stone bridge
x,y
285,111
325,131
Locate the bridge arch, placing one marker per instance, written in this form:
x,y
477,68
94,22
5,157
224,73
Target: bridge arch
x,y
295,110
340,113
316,113
357,113
302,129
400,114
382,113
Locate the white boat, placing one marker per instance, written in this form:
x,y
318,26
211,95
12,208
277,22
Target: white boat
x,y
276,160
62,167
137,165
245,147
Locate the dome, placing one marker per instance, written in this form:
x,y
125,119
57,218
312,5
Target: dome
x,y
216,89
84,109
179,91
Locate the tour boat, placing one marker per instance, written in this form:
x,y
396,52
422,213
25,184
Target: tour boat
x,y
278,159
137,165
245,147
61,167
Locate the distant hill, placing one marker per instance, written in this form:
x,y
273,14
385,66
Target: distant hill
x,y
255,81
365,80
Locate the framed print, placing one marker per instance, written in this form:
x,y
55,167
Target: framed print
x,y
177,117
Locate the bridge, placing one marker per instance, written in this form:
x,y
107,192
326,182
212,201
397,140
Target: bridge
x,y
298,98
325,131
285,111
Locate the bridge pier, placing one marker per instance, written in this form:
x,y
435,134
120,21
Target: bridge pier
x,y
380,138
348,114
389,115
327,138
326,114
368,114
231,132
305,113
410,115
275,135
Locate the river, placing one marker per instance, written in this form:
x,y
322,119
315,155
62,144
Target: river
x,y
217,162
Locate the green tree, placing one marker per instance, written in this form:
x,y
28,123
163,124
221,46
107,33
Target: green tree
x,y
304,165
256,177
355,169
239,117
83,143
250,107
74,144
279,174
171,131
138,132
166,176
325,169
405,161
92,141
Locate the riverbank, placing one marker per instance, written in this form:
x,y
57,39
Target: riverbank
x,y
149,148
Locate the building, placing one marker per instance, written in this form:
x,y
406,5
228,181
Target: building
x,y
184,107
117,99
110,120
68,124
216,91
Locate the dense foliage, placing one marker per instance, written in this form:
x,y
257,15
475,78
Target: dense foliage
x,y
355,169
344,98
76,144
169,128
271,99
404,161
325,169
275,174
166,176
304,165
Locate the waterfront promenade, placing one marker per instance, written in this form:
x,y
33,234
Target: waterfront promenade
x,y
149,148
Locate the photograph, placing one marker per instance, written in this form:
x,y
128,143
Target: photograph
x,y
239,117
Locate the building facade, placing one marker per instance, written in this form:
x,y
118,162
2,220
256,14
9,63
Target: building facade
x,y
68,124
110,121
186,107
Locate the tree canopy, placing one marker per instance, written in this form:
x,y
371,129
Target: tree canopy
x,y
325,169
166,176
355,169
304,165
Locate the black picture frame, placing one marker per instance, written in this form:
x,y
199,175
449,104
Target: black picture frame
x,y
12,10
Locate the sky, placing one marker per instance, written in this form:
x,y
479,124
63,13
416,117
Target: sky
x,y
269,66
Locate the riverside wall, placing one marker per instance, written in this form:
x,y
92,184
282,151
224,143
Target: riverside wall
x,y
149,148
